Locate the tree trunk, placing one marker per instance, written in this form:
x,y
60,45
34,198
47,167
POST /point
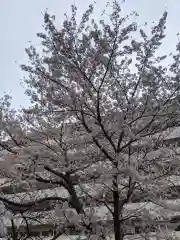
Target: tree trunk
x,y
118,231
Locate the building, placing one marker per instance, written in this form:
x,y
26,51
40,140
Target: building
x,y
41,220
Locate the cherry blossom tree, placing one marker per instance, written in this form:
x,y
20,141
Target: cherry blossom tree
x,y
104,104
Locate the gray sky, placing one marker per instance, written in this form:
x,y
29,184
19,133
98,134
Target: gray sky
x,y
20,21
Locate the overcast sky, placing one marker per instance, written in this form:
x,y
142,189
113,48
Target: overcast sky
x,y
20,20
